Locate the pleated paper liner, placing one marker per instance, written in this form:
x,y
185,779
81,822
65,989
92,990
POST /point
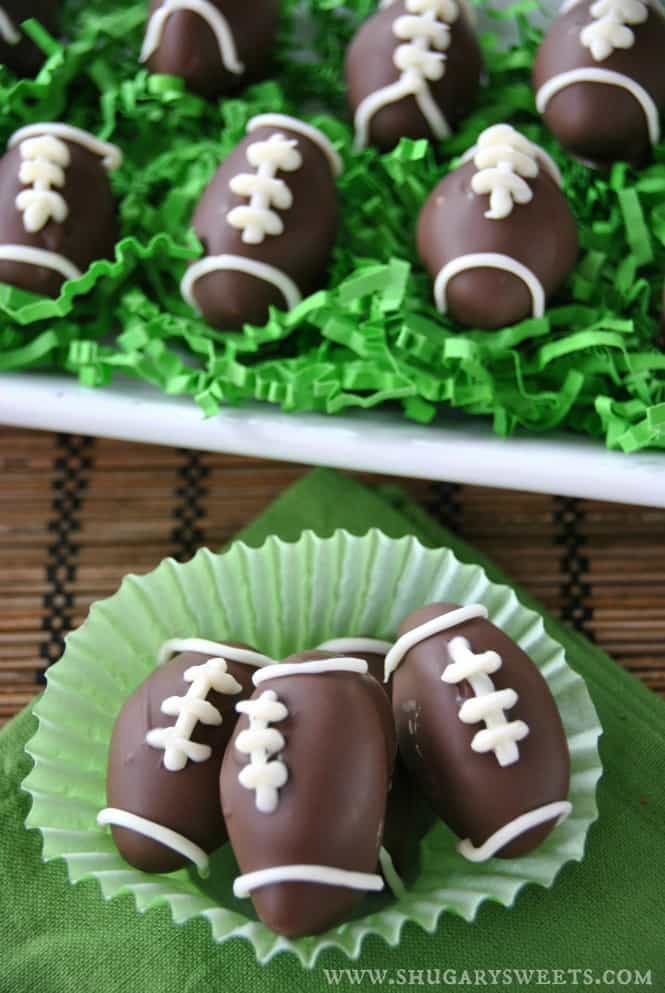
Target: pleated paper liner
x,y
283,597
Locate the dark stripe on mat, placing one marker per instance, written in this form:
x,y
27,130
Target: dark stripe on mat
x,y
446,504
576,594
189,511
71,472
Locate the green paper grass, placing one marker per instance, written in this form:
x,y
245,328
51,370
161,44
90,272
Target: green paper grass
x,y
372,336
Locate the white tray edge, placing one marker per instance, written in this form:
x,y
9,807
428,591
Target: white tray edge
x,y
463,450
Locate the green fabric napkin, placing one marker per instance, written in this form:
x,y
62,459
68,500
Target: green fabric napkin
x,y
606,913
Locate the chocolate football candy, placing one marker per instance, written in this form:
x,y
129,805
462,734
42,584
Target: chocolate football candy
x,y
17,51
268,222
166,752
479,729
403,826
57,213
216,46
497,234
413,71
599,78
303,787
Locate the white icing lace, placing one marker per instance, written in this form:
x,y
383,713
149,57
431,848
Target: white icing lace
x,y
610,29
43,163
488,705
263,774
8,31
190,710
265,191
504,159
425,31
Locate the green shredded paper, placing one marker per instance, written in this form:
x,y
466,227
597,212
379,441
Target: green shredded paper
x,y
593,364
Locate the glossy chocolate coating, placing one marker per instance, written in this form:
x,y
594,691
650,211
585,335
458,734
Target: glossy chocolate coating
x,y
89,231
596,122
230,299
541,234
186,801
470,791
189,48
370,67
25,58
339,753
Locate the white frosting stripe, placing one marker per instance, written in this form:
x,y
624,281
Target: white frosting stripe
x,y
323,875
308,131
115,817
8,31
216,648
190,710
110,154
489,260
533,818
314,668
594,74
40,257
404,87
425,31
213,17
264,774
500,735
238,263
444,622
351,646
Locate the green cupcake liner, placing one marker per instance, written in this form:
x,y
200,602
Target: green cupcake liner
x,y
283,597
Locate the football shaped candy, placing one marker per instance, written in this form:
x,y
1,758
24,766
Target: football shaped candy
x,y
57,213
479,729
497,234
303,787
216,46
17,50
166,752
599,78
412,71
268,222
403,825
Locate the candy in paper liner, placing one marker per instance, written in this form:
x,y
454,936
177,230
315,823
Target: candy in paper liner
x,y
283,597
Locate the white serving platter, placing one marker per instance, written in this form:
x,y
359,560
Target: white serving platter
x,y
456,449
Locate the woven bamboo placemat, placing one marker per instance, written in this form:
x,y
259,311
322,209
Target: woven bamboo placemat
x,y
78,513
